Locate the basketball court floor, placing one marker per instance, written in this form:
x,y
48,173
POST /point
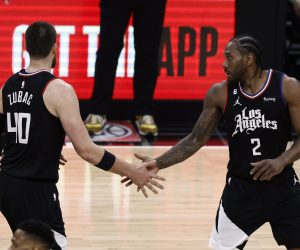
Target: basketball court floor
x,y
101,214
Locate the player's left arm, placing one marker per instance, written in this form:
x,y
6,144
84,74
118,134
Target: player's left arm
x,y
266,169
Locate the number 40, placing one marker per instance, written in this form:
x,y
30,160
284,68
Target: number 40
x,y
21,136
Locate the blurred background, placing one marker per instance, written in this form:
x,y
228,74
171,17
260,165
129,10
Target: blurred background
x,y
191,53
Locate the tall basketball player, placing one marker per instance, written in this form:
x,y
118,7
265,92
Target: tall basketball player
x,y
38,110
260,108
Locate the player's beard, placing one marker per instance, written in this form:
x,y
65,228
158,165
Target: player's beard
x,y
53,62
237,76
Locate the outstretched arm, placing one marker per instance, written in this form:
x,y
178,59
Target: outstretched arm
x,y
61,100
214,102
201,132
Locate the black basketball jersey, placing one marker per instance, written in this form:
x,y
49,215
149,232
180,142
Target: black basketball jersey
x,y
34,136
258,126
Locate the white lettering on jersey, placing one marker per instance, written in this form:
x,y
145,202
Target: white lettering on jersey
x,y
269,99
249,120
20,97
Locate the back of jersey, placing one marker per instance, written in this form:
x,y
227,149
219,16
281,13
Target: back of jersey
x,y
34,136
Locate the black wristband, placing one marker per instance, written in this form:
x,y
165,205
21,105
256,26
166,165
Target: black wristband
x,y
107,161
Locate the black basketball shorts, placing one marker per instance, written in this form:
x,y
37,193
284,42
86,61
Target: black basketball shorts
x,y
247,204
22,199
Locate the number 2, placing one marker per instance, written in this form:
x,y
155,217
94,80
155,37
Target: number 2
x,y
256,142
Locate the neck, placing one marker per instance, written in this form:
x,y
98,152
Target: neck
x,y
36,65
253,81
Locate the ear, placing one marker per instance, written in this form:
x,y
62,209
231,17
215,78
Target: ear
x,y
250,59
54,47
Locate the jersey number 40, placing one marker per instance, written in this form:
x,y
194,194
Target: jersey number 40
x,y
19,124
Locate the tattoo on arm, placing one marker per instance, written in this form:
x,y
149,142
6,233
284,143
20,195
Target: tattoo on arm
x,y
195,140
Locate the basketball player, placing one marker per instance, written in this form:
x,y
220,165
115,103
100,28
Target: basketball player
x,y
33,234
259,107
38,110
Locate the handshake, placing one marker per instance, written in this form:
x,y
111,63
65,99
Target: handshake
x,y
144,176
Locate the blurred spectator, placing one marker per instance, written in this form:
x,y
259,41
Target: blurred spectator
x,y
292,64
148,19
33,234
296,7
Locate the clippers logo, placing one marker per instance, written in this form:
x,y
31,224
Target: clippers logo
x,y
237,102
113,131
250,120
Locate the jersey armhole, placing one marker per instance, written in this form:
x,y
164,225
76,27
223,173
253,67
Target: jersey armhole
x,y
43,91
283,101
46,85
227,90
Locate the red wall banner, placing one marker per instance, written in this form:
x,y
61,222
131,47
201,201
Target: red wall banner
x,y
195,34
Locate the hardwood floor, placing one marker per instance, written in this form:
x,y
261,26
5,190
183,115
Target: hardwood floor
x,y
101,214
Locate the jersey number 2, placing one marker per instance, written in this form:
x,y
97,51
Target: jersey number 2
x,y
21,126
255,149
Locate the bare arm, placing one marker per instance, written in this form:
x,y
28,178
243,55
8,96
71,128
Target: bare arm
x,y
61,101
201,132
291,93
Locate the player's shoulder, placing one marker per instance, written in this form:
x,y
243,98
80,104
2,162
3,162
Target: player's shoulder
x,y
59,89
217,93
11,80
217,90
59,85
289,81
290,88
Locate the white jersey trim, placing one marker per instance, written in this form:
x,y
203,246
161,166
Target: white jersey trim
x,y
32,73
262,90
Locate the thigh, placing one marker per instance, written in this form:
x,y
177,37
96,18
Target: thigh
x,y
241,212
226,235
285,223
23,199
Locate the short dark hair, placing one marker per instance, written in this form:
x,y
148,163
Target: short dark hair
x,y
39,231
249,44
39,38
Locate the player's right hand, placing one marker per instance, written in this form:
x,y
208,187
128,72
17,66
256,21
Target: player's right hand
x,y
143,177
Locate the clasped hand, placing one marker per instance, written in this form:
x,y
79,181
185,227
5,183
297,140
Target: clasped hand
x,y
145,176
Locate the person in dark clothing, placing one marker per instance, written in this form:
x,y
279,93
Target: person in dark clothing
x,y
260,107
39,109
148,19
